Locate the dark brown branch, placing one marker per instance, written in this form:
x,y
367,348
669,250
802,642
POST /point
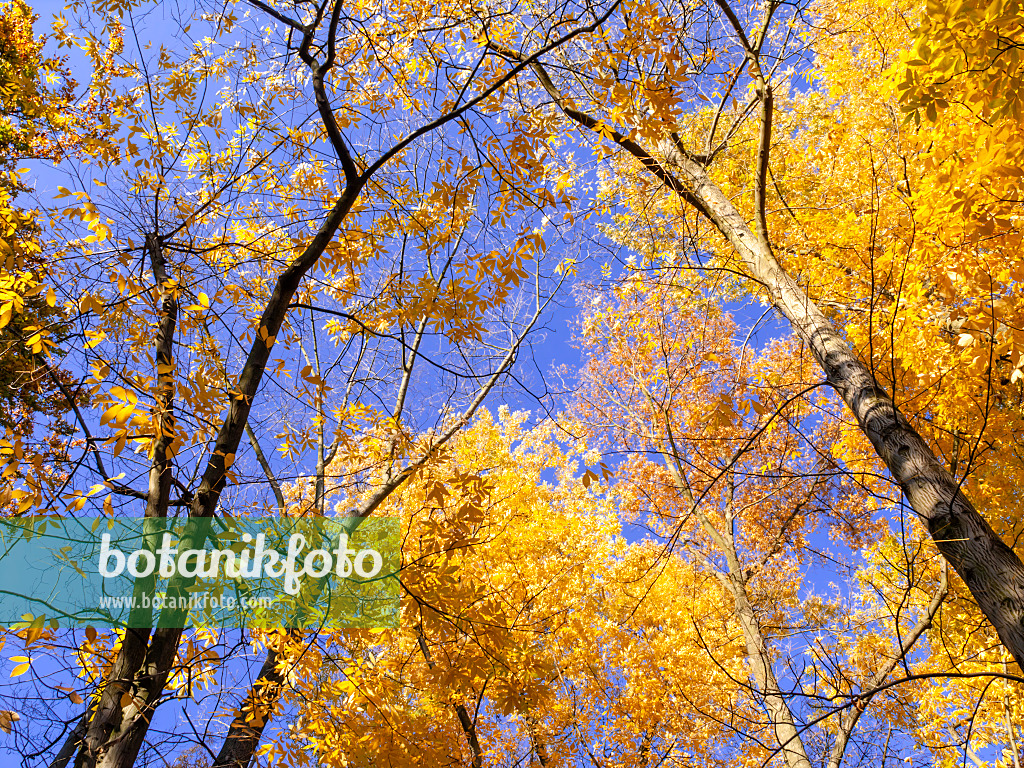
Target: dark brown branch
x,y
646,159
465,721
90,441
524,62
265,465
104,738
763,151
253,714
764,95
323,104
279,16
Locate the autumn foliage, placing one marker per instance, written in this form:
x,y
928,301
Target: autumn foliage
x,y
684,341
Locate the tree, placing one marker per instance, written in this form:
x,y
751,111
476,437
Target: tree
x,y
231,225
633,101
728,456
39,119
530,627
308,240
533,631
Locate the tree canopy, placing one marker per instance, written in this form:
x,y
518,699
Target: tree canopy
x,y
681,342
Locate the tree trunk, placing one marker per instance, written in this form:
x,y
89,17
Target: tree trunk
x,y
989,568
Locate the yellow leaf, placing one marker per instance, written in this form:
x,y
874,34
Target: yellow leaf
x,y
22,665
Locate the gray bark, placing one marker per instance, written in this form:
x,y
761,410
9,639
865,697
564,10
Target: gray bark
x,y
989,568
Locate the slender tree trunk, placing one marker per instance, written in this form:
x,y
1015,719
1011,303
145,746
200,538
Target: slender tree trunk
x,y
120,702
758,657
734,579
786,733
849,717
253,715
989,568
